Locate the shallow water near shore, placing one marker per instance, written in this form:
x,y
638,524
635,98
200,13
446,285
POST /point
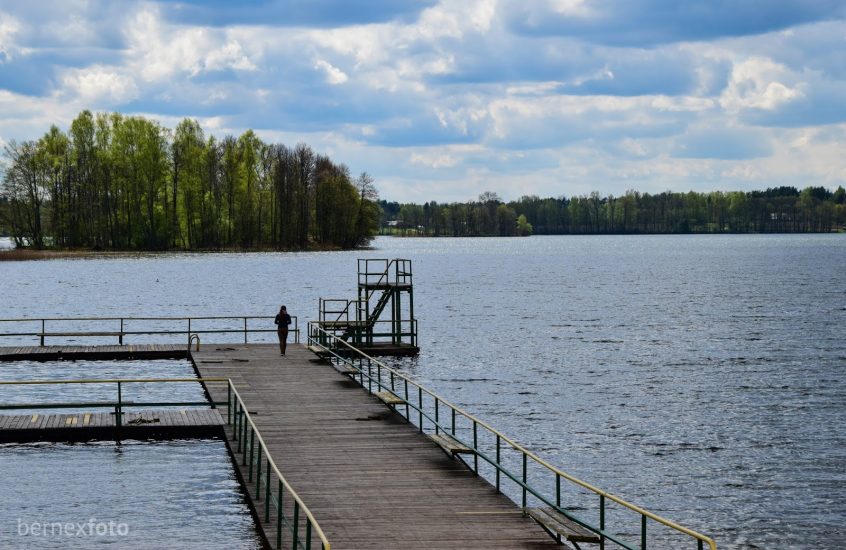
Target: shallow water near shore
x,y
702,377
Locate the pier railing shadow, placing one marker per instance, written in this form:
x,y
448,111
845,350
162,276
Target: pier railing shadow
x,y
502,460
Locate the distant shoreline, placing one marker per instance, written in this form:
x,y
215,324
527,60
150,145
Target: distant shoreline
x,y
29,254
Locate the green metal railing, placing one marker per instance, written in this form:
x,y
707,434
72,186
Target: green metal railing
x,y
432,413
118,404
120,330
270,486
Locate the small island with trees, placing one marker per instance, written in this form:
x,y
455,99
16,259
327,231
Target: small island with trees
x,y
116,182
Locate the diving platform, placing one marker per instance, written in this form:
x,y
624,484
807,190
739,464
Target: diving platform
x,y
380,320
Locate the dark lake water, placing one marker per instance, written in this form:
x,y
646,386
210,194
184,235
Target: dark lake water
x,y
702,377
165,494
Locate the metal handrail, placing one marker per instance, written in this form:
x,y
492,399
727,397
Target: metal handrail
x,y
121,332
317,336
235,417
251,432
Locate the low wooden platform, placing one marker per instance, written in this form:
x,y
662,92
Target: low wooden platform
x,y
70,353
371,479
163,424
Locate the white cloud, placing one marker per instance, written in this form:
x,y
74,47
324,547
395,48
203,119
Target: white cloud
x,y
760,83
229,56
158,51
9,27
98,83
438,160
334,75
71,30
571,7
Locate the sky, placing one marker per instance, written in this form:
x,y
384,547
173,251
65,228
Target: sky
x,y
443,100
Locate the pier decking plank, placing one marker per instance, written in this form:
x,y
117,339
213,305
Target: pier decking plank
x,y
370,479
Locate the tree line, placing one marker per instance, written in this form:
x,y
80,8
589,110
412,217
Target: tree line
x,y
128,183
775,210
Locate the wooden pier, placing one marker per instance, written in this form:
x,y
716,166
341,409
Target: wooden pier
x,y
371,479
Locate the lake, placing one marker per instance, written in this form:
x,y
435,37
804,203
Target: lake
x,y
702,377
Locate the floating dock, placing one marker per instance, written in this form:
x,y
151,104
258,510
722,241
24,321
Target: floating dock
x,y
162,424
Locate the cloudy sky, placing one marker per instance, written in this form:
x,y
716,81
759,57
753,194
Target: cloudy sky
x,y
441,100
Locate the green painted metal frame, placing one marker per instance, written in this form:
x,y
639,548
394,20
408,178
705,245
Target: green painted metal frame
x,y
394,278
121,331
375,376
119,403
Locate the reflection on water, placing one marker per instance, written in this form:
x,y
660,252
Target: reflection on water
x,y
140,494
700,376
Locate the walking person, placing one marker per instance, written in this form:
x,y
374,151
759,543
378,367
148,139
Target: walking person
x,y
282,321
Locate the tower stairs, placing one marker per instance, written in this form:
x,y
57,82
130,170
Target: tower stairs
x,y
380,321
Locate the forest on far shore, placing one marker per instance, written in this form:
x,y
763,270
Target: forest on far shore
x,y
775,210
116,182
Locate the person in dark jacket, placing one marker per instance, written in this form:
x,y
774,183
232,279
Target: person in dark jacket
x,y
282,321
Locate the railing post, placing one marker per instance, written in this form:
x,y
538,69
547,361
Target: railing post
x,y
258,474
642,532
558,491
120,335
228,403
279,516
475,447
602,521
498,461
252,452
437,420
118,415
238,419
296,525
246,426
245,330
267,493
453,420
189,333
42,332
420,407
525,465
